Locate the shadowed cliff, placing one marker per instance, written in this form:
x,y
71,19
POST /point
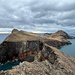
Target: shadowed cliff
x,y
53,62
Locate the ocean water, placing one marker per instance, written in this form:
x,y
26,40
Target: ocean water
x,y
8,65
69,49
2,37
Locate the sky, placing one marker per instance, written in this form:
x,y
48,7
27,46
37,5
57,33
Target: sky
x,y
37,15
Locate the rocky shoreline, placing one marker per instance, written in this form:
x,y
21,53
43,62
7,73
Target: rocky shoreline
x,y
37,50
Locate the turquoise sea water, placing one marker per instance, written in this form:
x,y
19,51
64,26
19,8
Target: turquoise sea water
x,y
69,49
8,65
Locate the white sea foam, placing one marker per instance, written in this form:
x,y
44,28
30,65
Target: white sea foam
x,y
20,63
1,64
13,67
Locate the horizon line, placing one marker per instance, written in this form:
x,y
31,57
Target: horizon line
x,y
26,31
4,32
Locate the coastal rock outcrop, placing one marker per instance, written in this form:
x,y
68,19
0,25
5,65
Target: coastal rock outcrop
x,y
56,43
37,54
21,36
19,42
64,34
55,63
12,50
19,50
60,36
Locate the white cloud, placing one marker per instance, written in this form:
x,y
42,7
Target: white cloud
x,y
6,29
37,15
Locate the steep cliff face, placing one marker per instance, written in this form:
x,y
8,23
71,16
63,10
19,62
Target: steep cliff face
x,y
56,43
8,50
11,50
55,62
19,42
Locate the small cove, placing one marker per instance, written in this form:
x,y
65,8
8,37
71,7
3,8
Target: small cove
x,y
8,65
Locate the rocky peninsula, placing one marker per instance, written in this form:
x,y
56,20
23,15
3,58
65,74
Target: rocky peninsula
x,y
37,54
59,35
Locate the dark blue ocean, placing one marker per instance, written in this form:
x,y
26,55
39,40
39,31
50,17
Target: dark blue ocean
x,y
2,37
68,49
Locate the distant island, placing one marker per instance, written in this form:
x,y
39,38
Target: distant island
x,y
38,54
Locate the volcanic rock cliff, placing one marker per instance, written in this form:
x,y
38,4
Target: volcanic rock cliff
x,y
52,62
34,49
18,41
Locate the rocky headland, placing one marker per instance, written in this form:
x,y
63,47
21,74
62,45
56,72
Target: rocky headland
x,y
37,54
59,35
19,36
